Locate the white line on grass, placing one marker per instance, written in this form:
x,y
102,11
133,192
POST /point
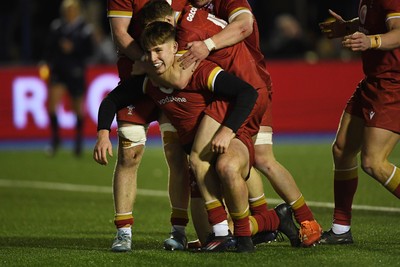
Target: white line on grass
x,y
154,193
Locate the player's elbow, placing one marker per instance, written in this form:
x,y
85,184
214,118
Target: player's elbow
x,y
246,26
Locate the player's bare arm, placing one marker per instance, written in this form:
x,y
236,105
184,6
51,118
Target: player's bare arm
x,y
388,41
125,43
234,32
391,39
336,26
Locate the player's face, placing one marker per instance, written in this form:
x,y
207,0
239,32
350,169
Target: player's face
x,y
200,3
162,56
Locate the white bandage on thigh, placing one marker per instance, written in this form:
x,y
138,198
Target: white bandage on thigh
x,y
168,133
132,135
263,138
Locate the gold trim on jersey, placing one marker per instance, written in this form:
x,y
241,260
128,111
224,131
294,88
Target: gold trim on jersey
x,y
211,78
236,12
121,14
393,16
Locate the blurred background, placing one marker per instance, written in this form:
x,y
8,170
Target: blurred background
x,y
312,76
288,29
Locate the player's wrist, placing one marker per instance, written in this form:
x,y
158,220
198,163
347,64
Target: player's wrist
x,y
376,41
210,44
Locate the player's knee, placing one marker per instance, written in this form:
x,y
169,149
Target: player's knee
x,y
132,135
130,157
226,168
195,162
263,162
370,164
132,140
337,150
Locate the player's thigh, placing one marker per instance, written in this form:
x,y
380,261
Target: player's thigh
x,y
378,143
350,134
202,143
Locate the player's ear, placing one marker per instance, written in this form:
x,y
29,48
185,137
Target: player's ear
x,y
170,20
175,47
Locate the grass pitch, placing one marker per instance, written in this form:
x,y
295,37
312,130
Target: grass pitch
x,y
59,212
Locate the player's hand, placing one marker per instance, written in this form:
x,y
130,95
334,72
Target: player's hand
x,y
357,42
102,147
337,27
221,140
196,52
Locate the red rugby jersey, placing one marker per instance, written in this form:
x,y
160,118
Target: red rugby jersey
x,y
228,10
197,24
373,17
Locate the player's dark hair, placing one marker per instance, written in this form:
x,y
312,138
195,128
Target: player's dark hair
x,y
157,33
154,10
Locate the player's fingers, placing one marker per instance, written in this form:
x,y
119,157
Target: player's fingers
x,y
326,30
189,45
213,148
188,62
103,156
97,157
336,16
183,57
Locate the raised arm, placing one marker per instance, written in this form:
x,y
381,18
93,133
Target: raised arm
x,y
236,31
336,26
123,40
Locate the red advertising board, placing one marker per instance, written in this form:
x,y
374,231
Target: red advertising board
x,y
310,98
307,98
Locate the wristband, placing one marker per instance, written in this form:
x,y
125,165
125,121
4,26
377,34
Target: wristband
x,y
143,58
210,44
376,41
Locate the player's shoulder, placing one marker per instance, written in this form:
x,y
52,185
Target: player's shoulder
x,y
192,15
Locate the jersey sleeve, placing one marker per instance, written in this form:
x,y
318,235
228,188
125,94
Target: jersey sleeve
x,y
204,76
119,8
392,9
197,25
229,9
